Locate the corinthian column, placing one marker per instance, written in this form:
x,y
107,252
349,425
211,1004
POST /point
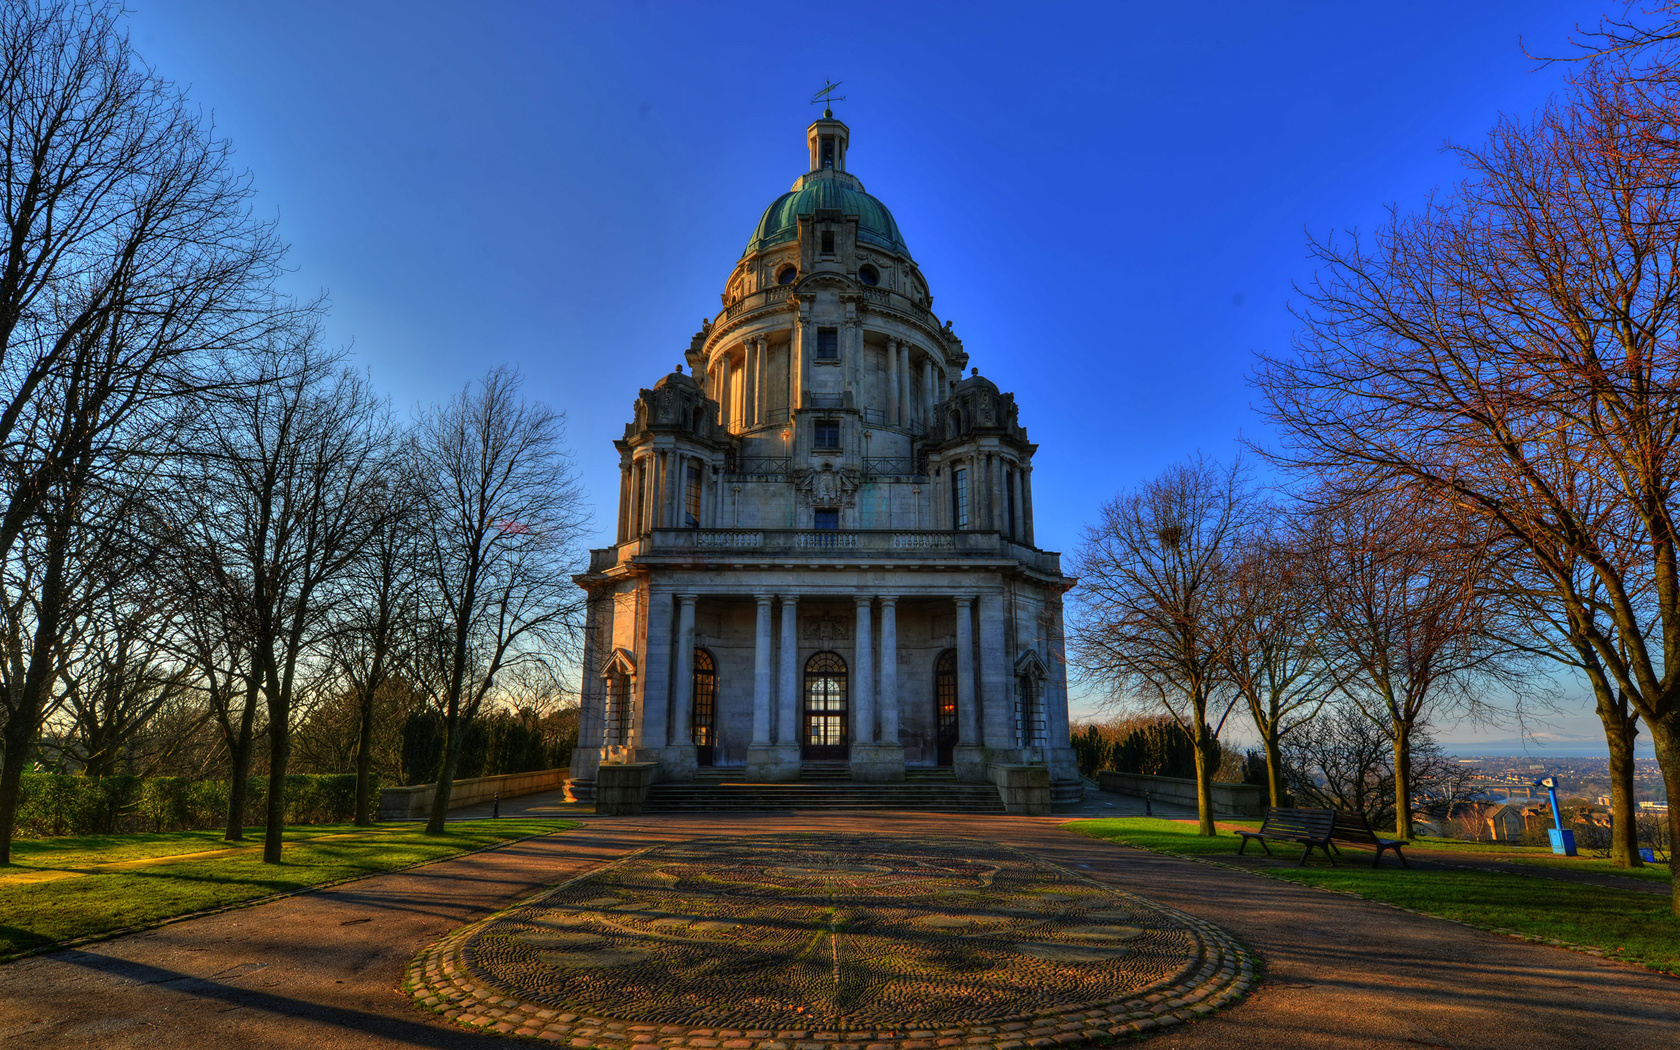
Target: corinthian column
x,y
905,411
889,671
863,689
761,674
892,382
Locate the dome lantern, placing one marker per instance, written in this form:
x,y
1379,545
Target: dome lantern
x,y
827,139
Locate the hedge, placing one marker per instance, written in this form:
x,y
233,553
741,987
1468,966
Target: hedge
x,y
60,804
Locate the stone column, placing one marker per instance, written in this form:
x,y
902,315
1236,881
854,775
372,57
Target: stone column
x,y
653,710
749,388
1027,503
763,762
625,487
722,392
905,412
761,403
863,677
892,382
882,758
679,762
997,694
930,396
889,671
968,759
787,689
803,348
761,673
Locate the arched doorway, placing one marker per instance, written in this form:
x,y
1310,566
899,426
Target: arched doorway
x,y
825,707
945,706
705,707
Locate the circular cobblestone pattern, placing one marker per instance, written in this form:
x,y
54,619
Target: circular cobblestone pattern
x,y
817,941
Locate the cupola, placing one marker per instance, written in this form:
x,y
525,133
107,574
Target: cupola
x,y
827,138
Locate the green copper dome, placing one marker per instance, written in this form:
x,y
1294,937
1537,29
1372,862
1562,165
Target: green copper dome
x,y
827,191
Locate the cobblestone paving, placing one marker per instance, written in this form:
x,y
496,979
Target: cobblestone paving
x,y
822,941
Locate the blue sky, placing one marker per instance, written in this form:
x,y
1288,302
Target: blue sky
x,y
1110,201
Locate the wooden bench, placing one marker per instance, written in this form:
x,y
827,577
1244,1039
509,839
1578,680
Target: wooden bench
x,y
1310,827
1353,827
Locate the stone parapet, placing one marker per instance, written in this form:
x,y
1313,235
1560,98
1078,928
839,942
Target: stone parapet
x,y
1229,800
407,803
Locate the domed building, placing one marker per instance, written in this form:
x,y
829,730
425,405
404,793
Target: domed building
x,y
825,556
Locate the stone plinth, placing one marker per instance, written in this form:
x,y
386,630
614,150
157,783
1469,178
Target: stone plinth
x,y
877,763
773,763
1025,789
622,787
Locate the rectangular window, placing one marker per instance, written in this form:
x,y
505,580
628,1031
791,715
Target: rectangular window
x,y
828,344
959,498
691,503
828,242
827,433
827,520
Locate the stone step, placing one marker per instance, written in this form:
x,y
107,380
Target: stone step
x,y
714,792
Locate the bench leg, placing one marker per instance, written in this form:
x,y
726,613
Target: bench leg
x,y
1242,846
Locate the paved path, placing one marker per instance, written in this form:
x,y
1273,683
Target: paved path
x,y
319,971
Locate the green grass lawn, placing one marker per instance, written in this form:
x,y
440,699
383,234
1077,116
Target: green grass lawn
x,y
33,914
1626,924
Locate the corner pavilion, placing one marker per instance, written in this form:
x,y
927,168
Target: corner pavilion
x,y
825,555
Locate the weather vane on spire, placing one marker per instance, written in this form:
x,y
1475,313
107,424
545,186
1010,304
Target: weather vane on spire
x,y
824,96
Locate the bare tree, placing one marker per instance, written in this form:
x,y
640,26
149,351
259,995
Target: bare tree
x,y
1516,328
1281,659
377,629
1403,601
1152,623
503,516
131,260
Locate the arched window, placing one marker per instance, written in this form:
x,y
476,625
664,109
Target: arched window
x,y
825,706
945,705
705,707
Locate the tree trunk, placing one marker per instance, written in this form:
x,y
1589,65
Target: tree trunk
x,y
29,705
1665,738
1621,728
446,774
239,758
1402,739
364,763
1274,767
1204,776
279,750
16,753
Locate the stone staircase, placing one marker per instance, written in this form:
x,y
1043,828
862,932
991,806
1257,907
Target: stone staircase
x,y
927,790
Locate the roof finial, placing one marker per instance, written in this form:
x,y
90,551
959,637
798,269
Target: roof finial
x,y
824,96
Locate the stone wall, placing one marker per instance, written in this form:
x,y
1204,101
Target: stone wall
x,y
407,803
1229,800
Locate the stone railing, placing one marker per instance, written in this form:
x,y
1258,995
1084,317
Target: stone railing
x,y
1229,800
904,543
763,297
734,539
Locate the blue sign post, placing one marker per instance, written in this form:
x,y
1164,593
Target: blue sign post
x,y
1563,840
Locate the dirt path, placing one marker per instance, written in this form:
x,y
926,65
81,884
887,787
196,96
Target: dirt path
x,y
319,971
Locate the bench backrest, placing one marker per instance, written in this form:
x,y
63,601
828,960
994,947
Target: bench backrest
x,y
1315,824
1352,826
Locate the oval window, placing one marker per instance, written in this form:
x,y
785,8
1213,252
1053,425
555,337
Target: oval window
x,y
787,276
869,275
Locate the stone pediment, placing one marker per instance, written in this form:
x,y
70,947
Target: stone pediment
x,y
621,662
1031,665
